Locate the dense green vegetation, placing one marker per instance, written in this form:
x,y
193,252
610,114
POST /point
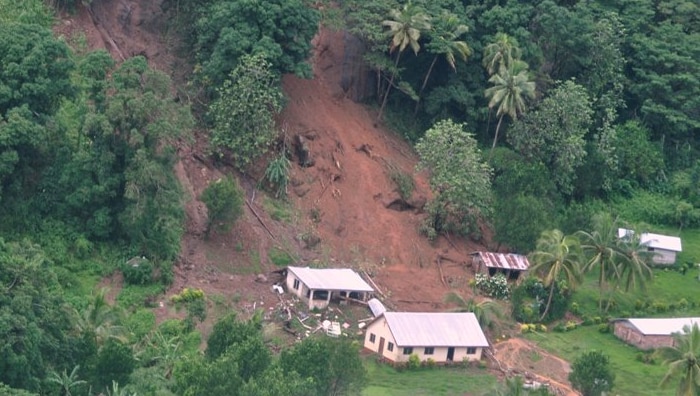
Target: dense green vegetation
x,y
589,113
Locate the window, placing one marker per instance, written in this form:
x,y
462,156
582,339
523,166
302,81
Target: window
x,y
390,347
429,351
372,338
471,350
296,284
407,350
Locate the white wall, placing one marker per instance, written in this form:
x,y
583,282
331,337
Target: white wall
x,y
665,257
380,329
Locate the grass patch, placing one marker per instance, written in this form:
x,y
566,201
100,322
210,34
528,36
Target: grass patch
x,y
137,295
384,380
279,257
278,210
632,376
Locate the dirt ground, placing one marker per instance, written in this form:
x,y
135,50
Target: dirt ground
x,y
345,199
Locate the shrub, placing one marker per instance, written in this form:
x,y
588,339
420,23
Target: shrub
x,y
495,286
559,328
188,295
430,363
413,362
604,328
570,325
137,271
224,200
405,185
277,174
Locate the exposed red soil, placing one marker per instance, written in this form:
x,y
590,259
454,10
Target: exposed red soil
x,y
343,198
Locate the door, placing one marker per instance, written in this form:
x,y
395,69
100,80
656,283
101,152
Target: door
x,y
381,346
450,354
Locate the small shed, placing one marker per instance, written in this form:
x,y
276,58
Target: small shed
x,y
320,286
650,333
443,337
511,265
665,247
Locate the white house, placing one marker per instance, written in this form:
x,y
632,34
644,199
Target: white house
x,y
320,286
442,336
651,333
664,247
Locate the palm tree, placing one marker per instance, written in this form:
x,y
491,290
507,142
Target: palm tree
x,y
66,381
511,86
405,28
683,359
485,311
101,319
501,53
556,256
602,250
444,41
634,270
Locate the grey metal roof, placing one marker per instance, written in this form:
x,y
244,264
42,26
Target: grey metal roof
x,y
436,329
661,326
376,307
343,279
656,241
504,260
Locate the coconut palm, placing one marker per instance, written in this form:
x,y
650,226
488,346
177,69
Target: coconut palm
x,y
683,359
603,251
444,41
557,256
485,311
501,53
405,27
634,270
101,319
66,381
511,86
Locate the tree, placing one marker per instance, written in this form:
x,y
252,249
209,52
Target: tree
x,y
554,134
67,381
634,269
334,365
486,311
224,200
405,27
591,374
101,320
511,86
243,115
227,31
115,362
501,53
275,382
444,40
556,256
227,332
602,250
461,181
683,359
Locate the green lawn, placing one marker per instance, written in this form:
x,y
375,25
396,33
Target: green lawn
x,y
384,380
632,376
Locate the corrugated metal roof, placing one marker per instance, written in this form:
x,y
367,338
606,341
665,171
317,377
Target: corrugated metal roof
x,y
504,260
436,329
343,279
661,326
376,307
656,241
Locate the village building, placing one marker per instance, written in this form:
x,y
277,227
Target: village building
x,y
513,266
443,337
664,247
650,333
320,286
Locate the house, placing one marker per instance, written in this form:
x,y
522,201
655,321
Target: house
x,y
441,336
650,333
320,286
511,265
664,247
